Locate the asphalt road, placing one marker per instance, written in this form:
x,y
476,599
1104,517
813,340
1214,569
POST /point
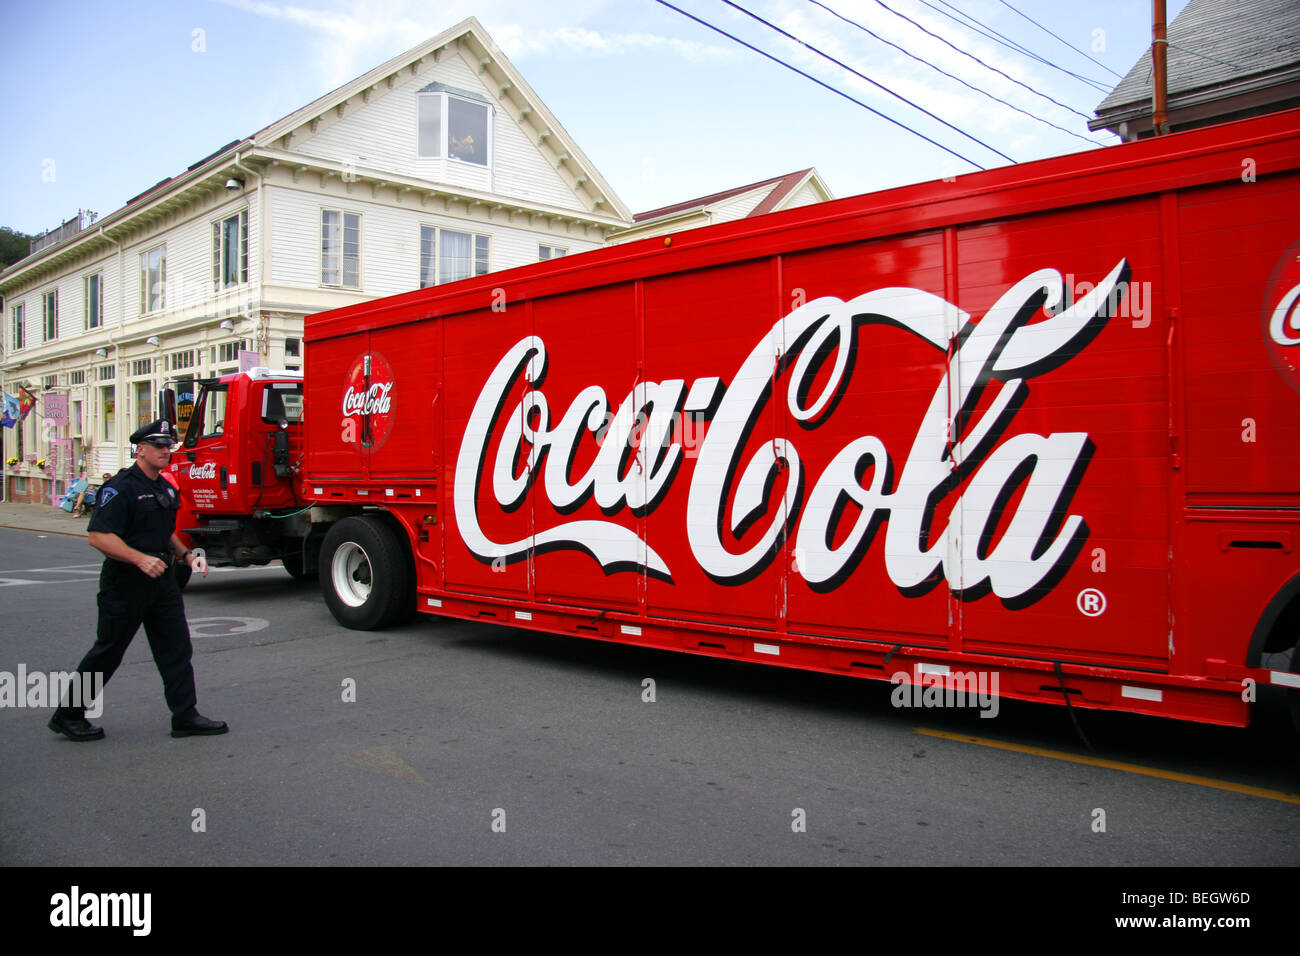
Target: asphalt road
x,y
475,744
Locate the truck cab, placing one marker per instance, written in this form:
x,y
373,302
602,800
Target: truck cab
x,y
237,470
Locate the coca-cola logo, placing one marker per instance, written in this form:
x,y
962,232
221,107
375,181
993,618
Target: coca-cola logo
x,y
1282,317
368,401
206,470
1004,350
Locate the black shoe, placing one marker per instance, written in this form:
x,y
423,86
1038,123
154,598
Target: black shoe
x,y
75,728
196,725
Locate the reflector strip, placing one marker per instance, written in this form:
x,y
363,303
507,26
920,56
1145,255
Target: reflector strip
x,y
1141,693
1284,679
767,649
524,615
630,629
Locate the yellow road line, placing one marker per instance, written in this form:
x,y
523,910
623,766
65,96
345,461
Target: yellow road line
x,y
1117,765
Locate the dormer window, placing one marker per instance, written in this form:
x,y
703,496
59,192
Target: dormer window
x,y
455,124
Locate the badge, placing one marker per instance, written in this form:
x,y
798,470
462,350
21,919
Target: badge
x,y
106,495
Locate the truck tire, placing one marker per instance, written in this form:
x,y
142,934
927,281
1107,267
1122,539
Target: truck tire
x,y
363,574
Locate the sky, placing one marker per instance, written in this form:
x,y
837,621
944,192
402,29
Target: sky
x,y
107,97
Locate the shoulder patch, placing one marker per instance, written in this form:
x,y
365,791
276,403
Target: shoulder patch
x,y
106,495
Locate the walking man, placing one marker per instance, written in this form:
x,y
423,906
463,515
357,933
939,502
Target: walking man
x,y
134,526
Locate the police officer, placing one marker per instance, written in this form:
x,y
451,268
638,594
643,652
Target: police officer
x,y
134,526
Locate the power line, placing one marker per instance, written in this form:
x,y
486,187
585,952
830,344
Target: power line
x,y
972,56
863,76
992,34
1062,39
795,69
950,76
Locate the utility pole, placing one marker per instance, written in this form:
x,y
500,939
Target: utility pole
x,y
1159,53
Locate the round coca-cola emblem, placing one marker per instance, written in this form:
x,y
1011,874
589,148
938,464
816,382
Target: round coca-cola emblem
x,y
1282,317
368,401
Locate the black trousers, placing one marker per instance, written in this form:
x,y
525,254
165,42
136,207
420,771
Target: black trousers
x,y
128,598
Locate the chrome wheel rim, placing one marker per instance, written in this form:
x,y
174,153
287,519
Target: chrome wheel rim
x,y
352,574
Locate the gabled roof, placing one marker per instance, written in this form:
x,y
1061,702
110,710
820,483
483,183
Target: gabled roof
x,y
783,186
495,69
1244,50
776,194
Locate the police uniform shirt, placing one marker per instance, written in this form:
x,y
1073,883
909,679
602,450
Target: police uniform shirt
x,y
139,511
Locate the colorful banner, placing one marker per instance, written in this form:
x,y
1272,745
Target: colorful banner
x,y
26,402
9,417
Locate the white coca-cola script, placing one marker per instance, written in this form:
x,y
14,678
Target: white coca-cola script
x,y
206,470
372,401
1284,326
1004,350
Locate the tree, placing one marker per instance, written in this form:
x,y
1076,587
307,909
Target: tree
x,y
14,245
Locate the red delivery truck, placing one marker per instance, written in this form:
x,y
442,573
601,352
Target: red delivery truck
x,y
1039,424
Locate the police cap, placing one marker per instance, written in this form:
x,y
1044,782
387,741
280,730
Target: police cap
x,y
160,433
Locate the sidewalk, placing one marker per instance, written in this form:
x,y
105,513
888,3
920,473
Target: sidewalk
x,y
43,518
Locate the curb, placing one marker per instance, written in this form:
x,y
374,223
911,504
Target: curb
x,y
23,527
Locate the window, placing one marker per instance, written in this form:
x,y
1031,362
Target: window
x,y
230,251
142,367
428,256
143,403
50,315
153,277
340,248
182,359
229,351
107,372
282,401
210,415
16,320
453,123
550,252
293,347
461,255
50,381
184,388
107,403
77,378
93,301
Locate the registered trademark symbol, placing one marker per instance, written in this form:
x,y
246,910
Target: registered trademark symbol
x,y
225,626
1091,602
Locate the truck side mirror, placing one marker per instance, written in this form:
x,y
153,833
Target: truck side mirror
x,y
167,404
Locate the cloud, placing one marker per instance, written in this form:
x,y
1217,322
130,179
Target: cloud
x,y
519,42
367,32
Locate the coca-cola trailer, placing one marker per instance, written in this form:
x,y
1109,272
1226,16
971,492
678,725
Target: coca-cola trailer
x,y
1039,424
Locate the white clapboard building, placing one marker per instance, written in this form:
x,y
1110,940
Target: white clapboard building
x,y
440,164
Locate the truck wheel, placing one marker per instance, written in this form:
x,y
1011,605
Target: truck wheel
x,y
363,573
